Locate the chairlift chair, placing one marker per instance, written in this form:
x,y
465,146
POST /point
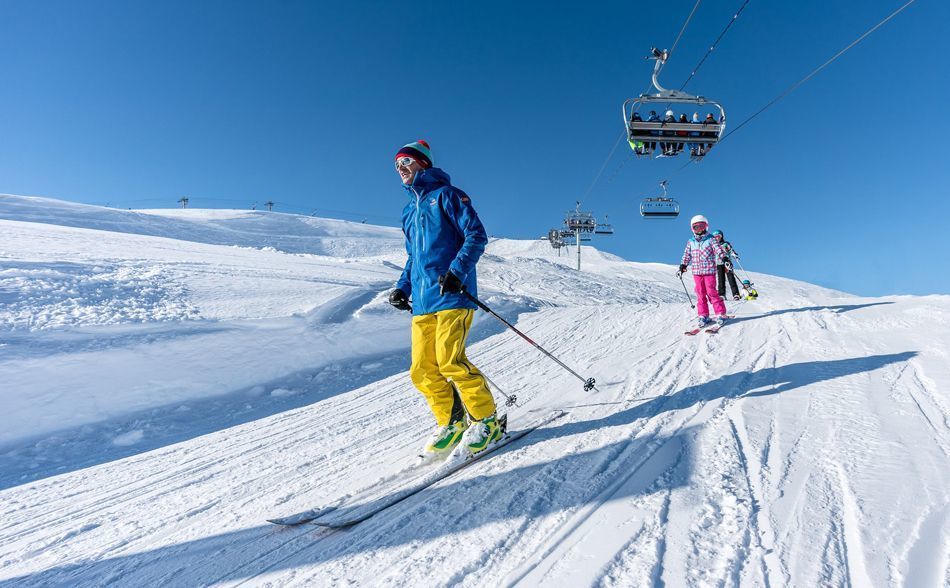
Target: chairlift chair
x,y
660,206
656,132
578,220
604,228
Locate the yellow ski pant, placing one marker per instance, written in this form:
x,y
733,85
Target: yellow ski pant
x,y
438,355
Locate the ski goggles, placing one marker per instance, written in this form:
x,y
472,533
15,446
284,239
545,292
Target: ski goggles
x,y
699,227
404,162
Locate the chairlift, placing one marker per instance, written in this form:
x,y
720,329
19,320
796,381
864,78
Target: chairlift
x,y
604,228
578,220
660,206
555,238
642,134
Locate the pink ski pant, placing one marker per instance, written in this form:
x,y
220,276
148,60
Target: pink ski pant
x,y
706,286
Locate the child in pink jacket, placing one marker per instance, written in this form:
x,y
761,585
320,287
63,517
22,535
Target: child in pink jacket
x,y
702,255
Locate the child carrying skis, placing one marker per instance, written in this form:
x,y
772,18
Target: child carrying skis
x,y
748,291
702,255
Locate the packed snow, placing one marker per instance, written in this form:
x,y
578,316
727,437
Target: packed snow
x,y
171,379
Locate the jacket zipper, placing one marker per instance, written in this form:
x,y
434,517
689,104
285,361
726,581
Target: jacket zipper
x,y
420,240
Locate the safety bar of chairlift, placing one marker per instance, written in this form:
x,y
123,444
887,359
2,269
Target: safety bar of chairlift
x,y
646,130
689,127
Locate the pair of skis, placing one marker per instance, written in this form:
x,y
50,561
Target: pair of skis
x,y
356,510
712,329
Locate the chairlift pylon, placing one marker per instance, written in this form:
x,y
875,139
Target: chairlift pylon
x,y
644,134
660,206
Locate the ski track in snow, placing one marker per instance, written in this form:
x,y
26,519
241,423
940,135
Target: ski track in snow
x,y
804,445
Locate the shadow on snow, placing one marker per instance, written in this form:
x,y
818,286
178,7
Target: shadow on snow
x,y
836,308
615,471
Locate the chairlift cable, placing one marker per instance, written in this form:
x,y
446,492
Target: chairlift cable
x,y
604,165
818,69
683,30
715,43
613,176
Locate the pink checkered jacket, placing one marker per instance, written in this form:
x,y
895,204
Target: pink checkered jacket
x,y
702,255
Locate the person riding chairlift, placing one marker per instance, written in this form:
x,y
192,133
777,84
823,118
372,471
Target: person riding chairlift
x,y
637,145
654,118
682,120
709,120
695,149
669,149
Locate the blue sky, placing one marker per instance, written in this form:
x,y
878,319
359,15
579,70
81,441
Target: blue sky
x,y
136,104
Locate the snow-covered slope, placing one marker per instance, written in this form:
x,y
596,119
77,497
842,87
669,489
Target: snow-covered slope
x,y
171,379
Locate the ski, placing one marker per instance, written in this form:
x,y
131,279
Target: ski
x,y
713,329
339,516
692,332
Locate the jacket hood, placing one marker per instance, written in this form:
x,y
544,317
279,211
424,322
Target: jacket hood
x,y
427,180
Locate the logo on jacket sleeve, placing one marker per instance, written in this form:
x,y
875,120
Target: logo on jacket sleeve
x,y
432,201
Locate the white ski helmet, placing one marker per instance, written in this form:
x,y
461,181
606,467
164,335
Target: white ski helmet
x,y
699,219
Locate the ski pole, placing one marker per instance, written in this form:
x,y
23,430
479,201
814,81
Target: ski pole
x,y
509,400
588,382
743,270
688,297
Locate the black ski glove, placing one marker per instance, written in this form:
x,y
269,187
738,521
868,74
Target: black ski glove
x,y
449,282
399,299
728,265
682,270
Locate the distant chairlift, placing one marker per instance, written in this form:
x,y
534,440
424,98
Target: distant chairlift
x,y
604,228
568,237
578,220
660,207
643,132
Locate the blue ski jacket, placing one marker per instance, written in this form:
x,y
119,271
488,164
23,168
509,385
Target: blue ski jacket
x,y
443,233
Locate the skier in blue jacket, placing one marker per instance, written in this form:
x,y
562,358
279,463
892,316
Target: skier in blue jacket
x,y
444,240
